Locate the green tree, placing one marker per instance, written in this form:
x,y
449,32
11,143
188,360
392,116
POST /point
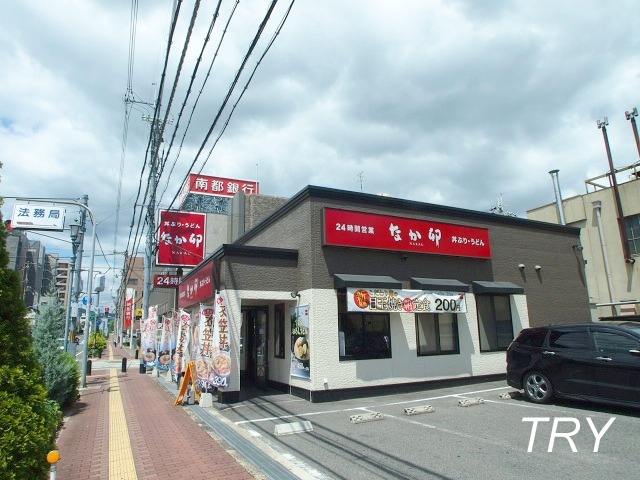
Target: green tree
x,y
60,369
28,420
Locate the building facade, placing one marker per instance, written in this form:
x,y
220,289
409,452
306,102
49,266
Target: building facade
x,y
609,248
339,294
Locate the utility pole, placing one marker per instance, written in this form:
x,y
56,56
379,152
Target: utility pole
x,y
77,280
151,207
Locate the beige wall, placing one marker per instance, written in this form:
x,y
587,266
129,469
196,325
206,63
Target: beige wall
x,y
622,277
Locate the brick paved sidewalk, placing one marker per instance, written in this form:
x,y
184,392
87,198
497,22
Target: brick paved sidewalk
x,y
165,441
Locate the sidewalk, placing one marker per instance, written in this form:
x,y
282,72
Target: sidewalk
x,y
125,426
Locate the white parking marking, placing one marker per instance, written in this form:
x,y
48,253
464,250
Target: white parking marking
x,y
366,408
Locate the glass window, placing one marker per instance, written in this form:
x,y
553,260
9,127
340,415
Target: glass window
x,y
533,338
633,233
494,322
279,336
610,342
577,340
132,281
437,333
363,335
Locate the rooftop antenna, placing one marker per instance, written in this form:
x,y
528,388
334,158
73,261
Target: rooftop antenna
x,y
500,208
360,175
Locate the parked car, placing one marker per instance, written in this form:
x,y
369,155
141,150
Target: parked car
x,y
597,361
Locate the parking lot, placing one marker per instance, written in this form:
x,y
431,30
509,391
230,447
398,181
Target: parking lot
x,y
480,431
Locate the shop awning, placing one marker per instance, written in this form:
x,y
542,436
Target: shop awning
x,y
439,284
344,280
496,288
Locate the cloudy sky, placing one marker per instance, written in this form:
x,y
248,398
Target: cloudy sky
x,y
455,102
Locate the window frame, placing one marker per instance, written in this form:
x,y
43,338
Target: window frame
x,y
343,314
492,297
632,230
279,331
438,351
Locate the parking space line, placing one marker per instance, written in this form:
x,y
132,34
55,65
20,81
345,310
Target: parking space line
x,y
365,408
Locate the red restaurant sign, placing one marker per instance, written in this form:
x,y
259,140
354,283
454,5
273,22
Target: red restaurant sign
x,y
347,228
218,186
196,287
181,238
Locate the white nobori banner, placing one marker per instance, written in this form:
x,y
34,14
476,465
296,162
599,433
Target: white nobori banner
x,y
410,301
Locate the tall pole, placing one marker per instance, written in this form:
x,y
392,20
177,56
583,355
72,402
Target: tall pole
x,y
632,117
151,225
74,247
558,194
597,207
616,193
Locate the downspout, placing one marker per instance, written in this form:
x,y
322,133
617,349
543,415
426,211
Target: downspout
x,y
597,206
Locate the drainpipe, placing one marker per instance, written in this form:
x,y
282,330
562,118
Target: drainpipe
x,y
597,207
556,190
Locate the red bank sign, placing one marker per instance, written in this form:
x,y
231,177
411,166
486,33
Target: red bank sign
x,y
347,228
218,186
181,238
197,287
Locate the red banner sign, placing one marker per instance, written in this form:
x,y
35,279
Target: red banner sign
x,y
218,186
196,287
181,238
346,228
128,308
166,281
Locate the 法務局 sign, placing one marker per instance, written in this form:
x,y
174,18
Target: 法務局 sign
x,y
38,217
347,228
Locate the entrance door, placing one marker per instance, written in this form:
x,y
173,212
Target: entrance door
x,y
256,320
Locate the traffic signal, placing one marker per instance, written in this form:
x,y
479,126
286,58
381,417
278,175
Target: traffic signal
x,y
106,310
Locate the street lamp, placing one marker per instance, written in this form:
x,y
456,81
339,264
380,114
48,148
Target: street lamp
x,y
75,231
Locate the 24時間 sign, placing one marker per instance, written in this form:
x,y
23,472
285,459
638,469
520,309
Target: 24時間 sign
x,y
181,238
347,228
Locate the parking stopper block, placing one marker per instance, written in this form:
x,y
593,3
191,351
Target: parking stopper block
x,y
366,417
468,402
419,410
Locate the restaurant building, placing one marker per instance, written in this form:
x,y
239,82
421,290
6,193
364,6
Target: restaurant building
x,y
340,294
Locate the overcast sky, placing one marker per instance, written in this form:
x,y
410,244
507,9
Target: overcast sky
x,y
451,102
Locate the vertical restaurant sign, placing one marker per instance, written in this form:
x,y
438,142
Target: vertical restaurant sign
x,y
217,186
221,361
347,228
197,286
205,345
300,346
148,337
181,355
181,238
128,307
410,301
38,217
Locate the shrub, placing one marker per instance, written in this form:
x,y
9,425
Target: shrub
x,y
59,369
97,341
29,422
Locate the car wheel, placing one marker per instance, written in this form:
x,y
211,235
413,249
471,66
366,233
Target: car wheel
x,y
537,387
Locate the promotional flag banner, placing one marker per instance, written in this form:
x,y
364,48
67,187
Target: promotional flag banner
x,y
181,356
164,345
205,346
195,336
148,339
300,346
221,360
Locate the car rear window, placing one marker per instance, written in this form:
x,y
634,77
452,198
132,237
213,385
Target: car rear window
x,y
532,338
575,339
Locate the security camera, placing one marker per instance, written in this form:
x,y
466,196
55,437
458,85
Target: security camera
x,y
294,294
